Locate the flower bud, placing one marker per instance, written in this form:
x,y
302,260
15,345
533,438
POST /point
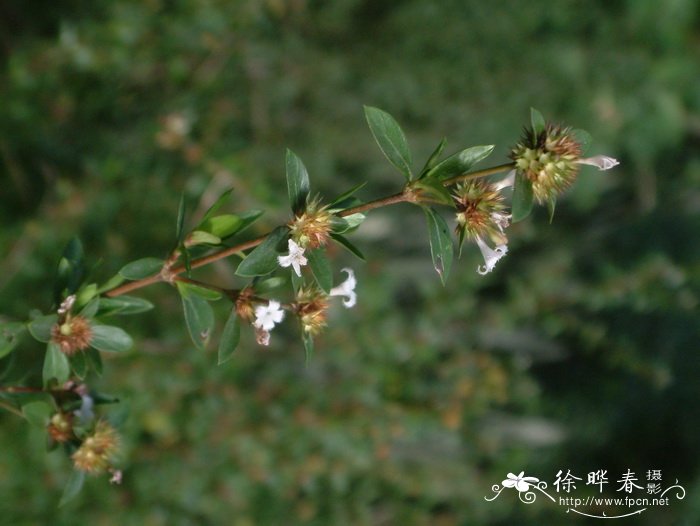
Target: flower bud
x,y
311,308
98,450
73,335
312,228
481,212
61,427
548,159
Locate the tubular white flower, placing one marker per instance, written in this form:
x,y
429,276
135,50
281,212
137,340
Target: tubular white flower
x,y
267,316
295,258
602,162
507,181
491,256
85,414
346,289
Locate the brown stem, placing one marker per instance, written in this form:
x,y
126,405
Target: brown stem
x,y
401,197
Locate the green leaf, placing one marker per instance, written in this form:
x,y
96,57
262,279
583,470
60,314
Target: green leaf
x,y
435,189
200,237
441,247
344,242
85,294
551,205
123,305
390,138
79,364
111,283
110,339
199,316
345,195
321,269
341,225
40,328
73,487
56,365
229,338
248,218
10,336
141,268
297,182
94,359
213,209
460,162
433,159
583,138
263,259
221,226
71,269
180,225
522,198
308,345
91,308
537,121
37,413
203,292
270,284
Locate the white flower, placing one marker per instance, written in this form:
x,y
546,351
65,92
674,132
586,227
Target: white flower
x,y
116,476
491,256
502,220
267,316
346,289
602,162
295,258
519,482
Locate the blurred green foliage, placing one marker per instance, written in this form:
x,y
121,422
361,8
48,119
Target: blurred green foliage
x,y
578,352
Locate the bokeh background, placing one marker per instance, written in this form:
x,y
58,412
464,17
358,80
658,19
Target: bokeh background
x,y
580,351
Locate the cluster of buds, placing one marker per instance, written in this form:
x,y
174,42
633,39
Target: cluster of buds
x,y
550,160
311,307
60,427
312,228
71,333
99,450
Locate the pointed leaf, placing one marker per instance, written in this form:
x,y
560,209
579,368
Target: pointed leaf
x,y
37,413
263,259
551,205
341,225
79,364
522,198
123,305
200,237
583,138
268,285
85,294
297,182
94,359
203,292
321,269
141,268
345,242
537,121
229,338
199,316
10,335
71,269
56,365
91,308
441,247
460,163
433,159
40,328
248,218
217,204
345,195
390,138
221,226
180,226
73,487
110,339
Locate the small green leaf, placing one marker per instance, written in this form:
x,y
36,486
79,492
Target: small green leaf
x,y
10,336
91,308
248,218
73,487
180,226
460,163
345,242
297,182
537,121
200,237
263,259
390,138
94,359
213,209
229,338
203,292
341,225
436,190
441,247
583,138
40,328
308,345
141,268
79,364
71,269
221,226
434,157
270,284
85,294
522,198
123,305
37,413
199,316
56,365
110,339
111,283
321,269
551,205
345,195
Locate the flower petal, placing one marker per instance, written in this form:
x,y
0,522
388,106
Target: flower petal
x,y
602,162
491,256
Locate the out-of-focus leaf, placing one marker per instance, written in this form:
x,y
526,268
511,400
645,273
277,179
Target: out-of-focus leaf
x,y
200,237
263,259
390,138
229,338
203,292
10,336
221,226
37,413
297,182
85,294
551,206
460,163
345,195
141,268
345,242
441,247
123,305
71,269
56,366
537,121
180,224
40,328
268,285
321,269
94,359
583,138
523,198
91,308
221,200
73,487
199,316
110,339
79,364
308,345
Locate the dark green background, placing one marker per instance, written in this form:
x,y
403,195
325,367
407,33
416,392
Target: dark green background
x,y
580,351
